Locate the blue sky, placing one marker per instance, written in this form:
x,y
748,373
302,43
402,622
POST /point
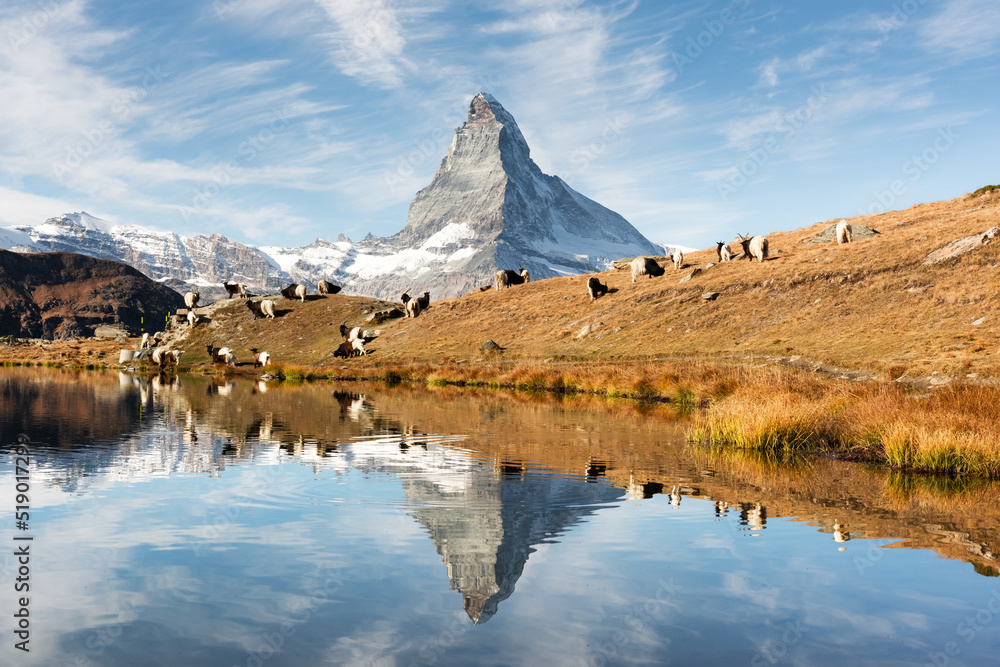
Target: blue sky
x,y
277,121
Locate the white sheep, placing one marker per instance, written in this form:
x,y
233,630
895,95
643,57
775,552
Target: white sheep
x,y
678,258
359,346
146,341
192,318
176,355
845,234
412,308
157,356
191,299
725,254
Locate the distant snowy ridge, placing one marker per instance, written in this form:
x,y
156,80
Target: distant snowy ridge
x,y
488,207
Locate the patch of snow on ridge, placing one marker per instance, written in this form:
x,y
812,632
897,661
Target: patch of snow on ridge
x,y
451,233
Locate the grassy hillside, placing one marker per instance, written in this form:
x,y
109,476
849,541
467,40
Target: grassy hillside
x,y
871,306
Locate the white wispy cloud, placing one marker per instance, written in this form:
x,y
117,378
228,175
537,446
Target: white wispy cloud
x,y
965,29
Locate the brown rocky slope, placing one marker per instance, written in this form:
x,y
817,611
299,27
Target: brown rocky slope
x,y
59,295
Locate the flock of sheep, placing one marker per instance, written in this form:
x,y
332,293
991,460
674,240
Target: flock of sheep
x,y
755,247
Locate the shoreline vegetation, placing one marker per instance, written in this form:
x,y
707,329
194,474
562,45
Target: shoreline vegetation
x,y
743,405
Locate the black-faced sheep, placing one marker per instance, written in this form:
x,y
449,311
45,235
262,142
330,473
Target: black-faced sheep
x,y
755,247
596,288
294,291
508,278
424,300
235,288
646,266
723,251
845,234
350,348
412,307
191,299
221,355
259,309
261,359
352,334
326,287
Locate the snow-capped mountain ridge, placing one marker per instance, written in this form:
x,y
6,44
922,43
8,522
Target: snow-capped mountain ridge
x,y
488,207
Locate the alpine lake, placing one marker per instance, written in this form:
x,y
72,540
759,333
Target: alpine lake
x,y
192,521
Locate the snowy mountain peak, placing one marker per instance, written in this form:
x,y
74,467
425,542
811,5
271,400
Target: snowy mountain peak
x,y
488,207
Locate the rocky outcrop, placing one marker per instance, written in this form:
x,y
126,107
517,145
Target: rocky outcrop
x,y
961,246
60,295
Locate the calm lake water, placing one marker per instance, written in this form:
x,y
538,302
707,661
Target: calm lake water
x,y
192,522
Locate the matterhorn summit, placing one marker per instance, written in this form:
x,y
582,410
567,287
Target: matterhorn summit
x,y
490,207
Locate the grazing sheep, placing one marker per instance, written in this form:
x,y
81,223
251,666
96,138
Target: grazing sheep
x,y
350,348
412,307
678,258
191,299
235,288
157,356
352,334
176,356
508,278
845,234
146,341
596,288
646,266
261,309
192,318
754,247
261,359
221,355
725,254
326,287
289,292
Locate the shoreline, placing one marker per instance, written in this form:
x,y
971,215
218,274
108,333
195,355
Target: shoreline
x,y
750,404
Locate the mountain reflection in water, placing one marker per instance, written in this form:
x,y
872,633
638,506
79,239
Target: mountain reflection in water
x,y
490,478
